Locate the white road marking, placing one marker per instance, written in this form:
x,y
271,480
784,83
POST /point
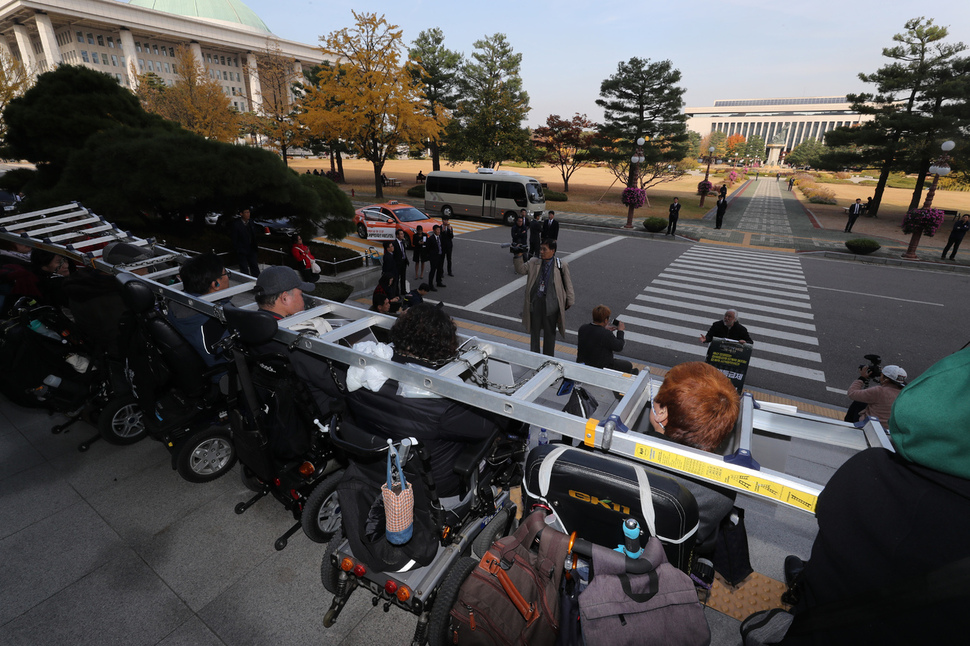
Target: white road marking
x,y
892,298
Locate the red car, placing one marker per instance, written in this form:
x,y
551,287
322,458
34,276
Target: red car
x,y
382,221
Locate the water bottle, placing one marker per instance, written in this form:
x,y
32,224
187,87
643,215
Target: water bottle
x,y
43,330
543,437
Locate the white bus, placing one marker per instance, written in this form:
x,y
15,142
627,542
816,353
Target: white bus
x,y
488,193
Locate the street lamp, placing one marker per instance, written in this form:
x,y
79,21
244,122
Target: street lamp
x,y
635,160
710,158
940,168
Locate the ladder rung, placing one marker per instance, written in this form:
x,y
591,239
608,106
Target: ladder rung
x,y
531,389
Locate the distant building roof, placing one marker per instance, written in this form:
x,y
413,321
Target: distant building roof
x,y
227,11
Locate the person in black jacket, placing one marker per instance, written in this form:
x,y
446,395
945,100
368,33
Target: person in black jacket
x,y
597,343
721,208
960,228
245,242
672,217
727,328
447,241
520,235
535,233
550,228
401,260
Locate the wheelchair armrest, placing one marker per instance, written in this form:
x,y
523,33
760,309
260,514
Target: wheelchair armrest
x,y
354,440
473,455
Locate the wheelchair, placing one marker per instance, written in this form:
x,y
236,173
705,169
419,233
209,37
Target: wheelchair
x,y
173,396
411,575
287,456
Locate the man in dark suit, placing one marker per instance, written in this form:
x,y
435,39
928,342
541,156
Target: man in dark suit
x,y
960,228
400,260
721,208
436,256
550,228
854,211
535,233
245,242
672,218
447,240
597,342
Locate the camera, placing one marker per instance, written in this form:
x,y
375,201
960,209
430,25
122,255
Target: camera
x,y
517,248
875,363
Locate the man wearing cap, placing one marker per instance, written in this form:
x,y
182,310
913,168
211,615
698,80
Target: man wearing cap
x,y
890,559
279,291
880,397
245,242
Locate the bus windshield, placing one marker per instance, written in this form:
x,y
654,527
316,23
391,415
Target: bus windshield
x,y
535,193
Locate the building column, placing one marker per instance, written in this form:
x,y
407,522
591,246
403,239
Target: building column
x,y
196,50
27,57
131,57
5,49
48,42
252,74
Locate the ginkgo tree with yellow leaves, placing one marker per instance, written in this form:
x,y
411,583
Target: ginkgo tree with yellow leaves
x,y
369,98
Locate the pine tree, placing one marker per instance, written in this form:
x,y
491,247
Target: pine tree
x,y
437,68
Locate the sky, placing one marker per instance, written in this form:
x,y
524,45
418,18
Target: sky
x,y
729,49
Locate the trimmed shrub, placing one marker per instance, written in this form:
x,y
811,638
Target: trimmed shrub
x,y
655,225
554,196
416,191
861,246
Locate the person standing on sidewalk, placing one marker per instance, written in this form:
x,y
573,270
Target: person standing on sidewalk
x,y
854,212
960,228
535,233
550,228
436,256
245,242
672,218
721,208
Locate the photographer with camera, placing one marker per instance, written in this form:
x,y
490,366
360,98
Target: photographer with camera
x,y
878,398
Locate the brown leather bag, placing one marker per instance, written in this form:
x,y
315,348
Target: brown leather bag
x,y
512,597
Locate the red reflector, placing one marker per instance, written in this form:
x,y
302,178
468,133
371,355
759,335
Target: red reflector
x,y
276,482
390,587
295,494
360,570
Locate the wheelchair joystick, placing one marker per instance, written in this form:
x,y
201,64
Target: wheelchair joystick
x,y
631,539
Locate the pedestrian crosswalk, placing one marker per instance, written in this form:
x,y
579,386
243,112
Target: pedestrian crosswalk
x,y
360,245
768,290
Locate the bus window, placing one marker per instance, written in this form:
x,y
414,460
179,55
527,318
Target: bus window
x,y
511,191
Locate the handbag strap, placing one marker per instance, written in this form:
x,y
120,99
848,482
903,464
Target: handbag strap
x,y
607,562
394,461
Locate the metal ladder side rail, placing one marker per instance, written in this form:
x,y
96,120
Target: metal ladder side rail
x,y
48,213
592,432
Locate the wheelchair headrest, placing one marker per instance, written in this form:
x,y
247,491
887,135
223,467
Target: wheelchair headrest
x,y
254,326
137,295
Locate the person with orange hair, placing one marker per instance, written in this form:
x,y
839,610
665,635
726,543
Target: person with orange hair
x,y
697,406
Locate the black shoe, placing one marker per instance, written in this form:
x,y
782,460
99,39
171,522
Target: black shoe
x,y
793,569
441,285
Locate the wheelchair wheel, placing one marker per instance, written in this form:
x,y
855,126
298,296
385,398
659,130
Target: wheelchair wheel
x,y
205,455
321,513
439,628
494,530
121,421
329,571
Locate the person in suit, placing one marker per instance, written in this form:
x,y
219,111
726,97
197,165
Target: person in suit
x,y
722,192
418,241
436,258
535,233
447,240
401,259
672,217
597,342
245,242
548,294
550,228
721,208
960,228
388,263
854,211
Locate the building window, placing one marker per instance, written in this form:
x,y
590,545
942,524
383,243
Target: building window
x,y
111,42
174,69
223,59
141,64
225,75
164,52
137,46
100,40
155,47
84,56
114,60
171,52
80,37
151,67
209,58
104,58
166,68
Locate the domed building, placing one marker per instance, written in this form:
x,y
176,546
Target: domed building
x,y
120,37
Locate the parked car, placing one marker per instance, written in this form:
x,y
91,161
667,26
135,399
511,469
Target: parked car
x,y
278,227
382,221
8,201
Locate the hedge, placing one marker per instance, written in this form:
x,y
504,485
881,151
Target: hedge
x,y
861,246
655,225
